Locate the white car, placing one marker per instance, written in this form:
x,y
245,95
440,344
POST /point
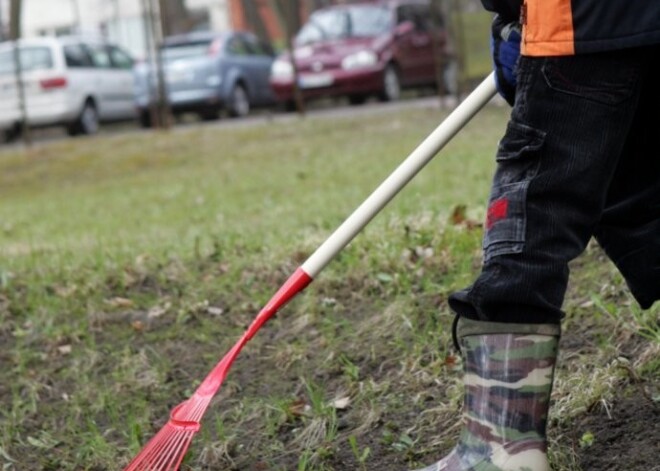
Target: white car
x,y
69,81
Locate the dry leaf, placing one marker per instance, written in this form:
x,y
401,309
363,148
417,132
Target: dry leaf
x,y
120,302
64,349
138,325
459,217
341,403
424,252
158,311
65,291
215,311
297,408
458,214
141,259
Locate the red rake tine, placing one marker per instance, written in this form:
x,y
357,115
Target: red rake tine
x,y
165,451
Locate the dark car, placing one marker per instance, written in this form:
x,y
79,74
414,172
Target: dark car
x,y
361,49
207,72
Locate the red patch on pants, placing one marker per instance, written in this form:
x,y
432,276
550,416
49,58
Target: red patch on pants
x,y
497,210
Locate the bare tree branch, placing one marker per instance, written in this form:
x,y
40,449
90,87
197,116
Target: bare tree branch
x,y
15,34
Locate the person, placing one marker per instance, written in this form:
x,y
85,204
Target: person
x,y
578,159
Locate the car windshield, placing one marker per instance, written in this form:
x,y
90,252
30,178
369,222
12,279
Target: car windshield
x,y
176,52
353,21
32,58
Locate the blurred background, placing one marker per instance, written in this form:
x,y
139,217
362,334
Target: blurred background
x,y
77,65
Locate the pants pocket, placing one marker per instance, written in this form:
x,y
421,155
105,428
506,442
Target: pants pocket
x,y
518,161
600,78
506,220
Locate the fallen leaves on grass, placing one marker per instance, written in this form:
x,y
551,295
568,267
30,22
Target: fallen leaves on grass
x,y
341,403
138,326
119,302
297,408
65,349
459,218
158,311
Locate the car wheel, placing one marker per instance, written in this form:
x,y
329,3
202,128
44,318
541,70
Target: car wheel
x,y
87,122
391,84
358,99
239,102
145,118
210,114
288,106
12,134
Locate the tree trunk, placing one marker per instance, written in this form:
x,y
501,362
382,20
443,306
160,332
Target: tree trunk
x,y
439,48
254,20
452,13
15,34
458,36
292,15
158,33
175,17
76,14
316,4
286,22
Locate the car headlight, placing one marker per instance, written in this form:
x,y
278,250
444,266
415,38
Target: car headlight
x,y
213,80
281,69
359,59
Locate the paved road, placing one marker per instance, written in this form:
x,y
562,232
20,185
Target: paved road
x,y
330,110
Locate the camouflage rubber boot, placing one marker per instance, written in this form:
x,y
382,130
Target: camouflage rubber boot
x,y
509,370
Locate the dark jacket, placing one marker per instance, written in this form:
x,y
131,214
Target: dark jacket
x,y
567,27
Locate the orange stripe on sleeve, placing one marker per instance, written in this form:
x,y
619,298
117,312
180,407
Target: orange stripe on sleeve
x,y
548,28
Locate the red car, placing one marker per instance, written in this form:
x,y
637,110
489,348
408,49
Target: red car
x,y
362,49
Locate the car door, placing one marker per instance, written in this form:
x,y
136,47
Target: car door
x,y
41,82
414,49
115,81
261,59
242,63
81,74
123,79
424,42
106,89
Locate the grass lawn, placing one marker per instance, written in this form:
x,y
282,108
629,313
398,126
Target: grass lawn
x,y
130,265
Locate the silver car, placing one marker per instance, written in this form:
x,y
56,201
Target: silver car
x,y
75,82
205,73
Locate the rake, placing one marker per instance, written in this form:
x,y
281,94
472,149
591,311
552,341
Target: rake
x,y
165,451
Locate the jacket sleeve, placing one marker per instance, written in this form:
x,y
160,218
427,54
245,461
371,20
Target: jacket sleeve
x,y
507,9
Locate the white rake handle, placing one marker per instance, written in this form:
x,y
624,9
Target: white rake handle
x,y
400,177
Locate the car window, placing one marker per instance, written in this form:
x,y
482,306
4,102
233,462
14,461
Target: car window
x,y
420,15
120,59
422,18
323,25
350,21
368,20
32,58
256,46
175,52
76,55
404,13
100,56
237,47
435,15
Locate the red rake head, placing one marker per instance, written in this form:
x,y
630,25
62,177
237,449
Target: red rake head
x,y
166,449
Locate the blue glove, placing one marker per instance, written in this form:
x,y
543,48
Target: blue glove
x,y
505,49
